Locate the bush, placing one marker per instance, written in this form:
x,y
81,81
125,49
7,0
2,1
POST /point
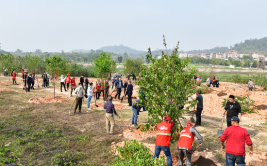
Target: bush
x,y
238,79
67,159
134,153
78,70
246,104
260,80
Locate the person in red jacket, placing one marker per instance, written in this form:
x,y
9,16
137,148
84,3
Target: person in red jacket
x,y
73,85
14,74
102,89
163,139
185,142
97,89
198,80
68,79
236,137
22,71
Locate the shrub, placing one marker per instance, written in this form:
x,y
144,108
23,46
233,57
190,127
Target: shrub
x,y
134,153
238,79
246,103
67,159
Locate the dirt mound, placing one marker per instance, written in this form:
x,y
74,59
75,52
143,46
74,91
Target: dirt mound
x,y
101,106
138,134
221,94
262,107
50,99
256,159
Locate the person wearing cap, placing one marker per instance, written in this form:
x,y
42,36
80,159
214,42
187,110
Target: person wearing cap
x,y
236,137
185,142
72,86
110,109
80,97
233,108
68,79
163,139
90,95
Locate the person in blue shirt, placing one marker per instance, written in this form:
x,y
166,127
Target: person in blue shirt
x,y
110,122
119,85
136,109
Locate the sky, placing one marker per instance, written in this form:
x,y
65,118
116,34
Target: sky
x,y
55,25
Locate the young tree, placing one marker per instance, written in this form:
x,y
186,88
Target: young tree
x,y
32,62
7,62
120,59
56,64
132,66
167,85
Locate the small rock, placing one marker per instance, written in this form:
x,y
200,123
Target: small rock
x,y
7,144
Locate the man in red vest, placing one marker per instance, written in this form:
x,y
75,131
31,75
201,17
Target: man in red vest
x,y
14,74
164,138
185,142
68,79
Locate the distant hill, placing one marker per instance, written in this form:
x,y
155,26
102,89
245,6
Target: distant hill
x,y
252,46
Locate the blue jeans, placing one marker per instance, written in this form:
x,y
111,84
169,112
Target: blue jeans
x,y
134,117
88,102
134,81
232,159
167,152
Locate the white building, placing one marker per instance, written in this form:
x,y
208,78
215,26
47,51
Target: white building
x,y
256,56
232,54
183,55
220,56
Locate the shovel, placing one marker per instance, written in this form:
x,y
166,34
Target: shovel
x,y
220,132
191,154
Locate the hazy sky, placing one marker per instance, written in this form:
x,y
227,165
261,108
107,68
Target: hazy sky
x,y
55,25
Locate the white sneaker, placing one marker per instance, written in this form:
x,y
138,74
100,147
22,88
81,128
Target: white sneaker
x,y
70,95
89,108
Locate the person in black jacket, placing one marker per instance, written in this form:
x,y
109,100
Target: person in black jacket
x,y
217,83
82,80
86,84
29,82
232,108
134,77
44,79
130,92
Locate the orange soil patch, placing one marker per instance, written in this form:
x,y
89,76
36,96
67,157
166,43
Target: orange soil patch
x,y
3,89
138,134
101,106
256,159
50,99
213,102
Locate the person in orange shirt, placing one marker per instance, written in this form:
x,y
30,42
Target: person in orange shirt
x,y
14,74
72,86
68,79
97,89
102,89
163,139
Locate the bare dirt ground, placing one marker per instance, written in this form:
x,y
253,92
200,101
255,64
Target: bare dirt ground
x,y
91,124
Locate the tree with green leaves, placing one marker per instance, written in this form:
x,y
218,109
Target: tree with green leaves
x,y
7,62
133,66
31,63
56,64
167,85
119,59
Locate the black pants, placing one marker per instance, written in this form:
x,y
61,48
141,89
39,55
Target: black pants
x,y
228,121
44,83
32,85
217,85
106,94
198,116
130,98
22,75
29,87
72,89
79,102
182,153
125,93
62,84
47,82
250,89
68,85
97,95
118,93
14,81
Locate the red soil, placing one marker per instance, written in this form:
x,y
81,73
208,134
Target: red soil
x,y
50,99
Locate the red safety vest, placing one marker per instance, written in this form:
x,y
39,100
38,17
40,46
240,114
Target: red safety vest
x,y
68,79
198,80
163,134
22,71
14,75
73,84
186,138
102,86
97,87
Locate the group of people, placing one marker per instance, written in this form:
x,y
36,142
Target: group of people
x,y
46,78
213,81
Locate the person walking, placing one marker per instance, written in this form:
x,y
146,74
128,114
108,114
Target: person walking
x,y
130,92
62,83
86,82
106,88
184,144
232,108
250,85
44,79
32,82
236,137
163,139
97,87
48,77
90,95
118,84
29,81
208,82
136,109
110,109
14,74
199,98
79,99
72,86
82,80
68,79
